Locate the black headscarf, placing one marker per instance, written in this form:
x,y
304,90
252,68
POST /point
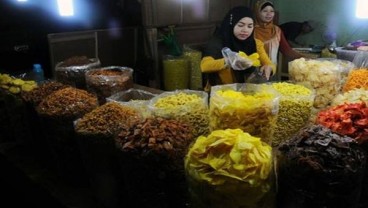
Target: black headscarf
x,y
248,46
225,33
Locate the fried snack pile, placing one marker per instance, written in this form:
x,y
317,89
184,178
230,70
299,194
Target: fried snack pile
x,y
352,96
16,85
254,113
229,168
356,79
186,106
322,76
295,108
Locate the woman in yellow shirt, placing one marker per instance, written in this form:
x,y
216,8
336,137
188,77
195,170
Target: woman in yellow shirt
x,y
235,33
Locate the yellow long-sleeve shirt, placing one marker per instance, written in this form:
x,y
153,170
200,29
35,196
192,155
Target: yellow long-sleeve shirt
x,y
211,65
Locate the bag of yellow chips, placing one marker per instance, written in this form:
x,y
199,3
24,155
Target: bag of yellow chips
x,y
250,107
187,106
230,168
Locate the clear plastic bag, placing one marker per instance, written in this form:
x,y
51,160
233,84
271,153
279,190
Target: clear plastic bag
x,y
235,61
256,77
189,106
361,59
252,108
194,57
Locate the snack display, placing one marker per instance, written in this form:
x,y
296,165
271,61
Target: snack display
x,y
72,70
16,85
194,57
107,81
68,103
251,107
322,76
134,98
95,135
350,119
175,73
151,156
352,96
319,168
106,120
35,96
187,106
295,108
229,168
357,79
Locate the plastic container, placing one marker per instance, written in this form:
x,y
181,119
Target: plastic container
x,y
175,72
38,73
107,81
345,54
73,72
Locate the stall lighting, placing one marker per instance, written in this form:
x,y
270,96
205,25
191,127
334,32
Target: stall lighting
x,y
362,9
65,7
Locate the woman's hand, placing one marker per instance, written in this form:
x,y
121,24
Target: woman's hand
x,y
266,71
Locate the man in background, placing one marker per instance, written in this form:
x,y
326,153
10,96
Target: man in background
x,y
293,29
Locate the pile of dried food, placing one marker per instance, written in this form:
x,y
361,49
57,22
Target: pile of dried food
x,y
134,98
72,70
350,119
106,120
35,96
319,168
109,80
186,106
96,131
68,103
151,155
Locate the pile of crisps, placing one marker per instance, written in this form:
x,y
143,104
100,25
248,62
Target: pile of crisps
x,y
357,78
352,96
16,85
229,168
322,76
254,57
188,106
253,112
350,119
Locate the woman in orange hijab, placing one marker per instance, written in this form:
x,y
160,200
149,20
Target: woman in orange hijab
x,y
270,34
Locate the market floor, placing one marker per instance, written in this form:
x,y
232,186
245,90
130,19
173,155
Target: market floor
x,y
26,183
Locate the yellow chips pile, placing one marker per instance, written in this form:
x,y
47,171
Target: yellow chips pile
x,y
253,113
229,164
254,57
187,106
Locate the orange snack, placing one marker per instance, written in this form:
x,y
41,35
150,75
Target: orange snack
x,y
357,79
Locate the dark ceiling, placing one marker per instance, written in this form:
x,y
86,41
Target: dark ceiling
x,y
24,26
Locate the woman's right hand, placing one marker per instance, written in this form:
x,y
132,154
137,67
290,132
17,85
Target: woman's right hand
x,y
266,71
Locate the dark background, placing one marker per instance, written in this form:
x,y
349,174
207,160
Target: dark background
x,y
24,27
